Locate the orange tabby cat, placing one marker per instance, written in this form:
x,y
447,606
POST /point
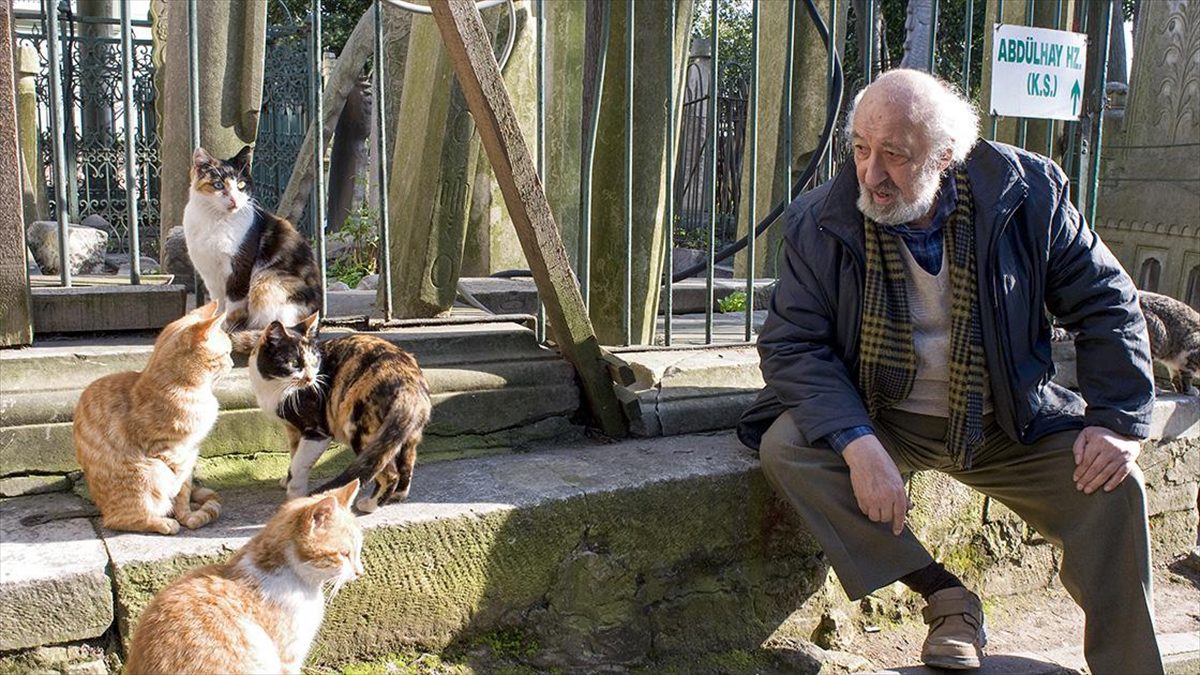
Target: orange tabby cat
x,y
137,435
259,612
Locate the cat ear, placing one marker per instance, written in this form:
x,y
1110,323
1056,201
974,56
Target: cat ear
x,y
274,333
201,157
345,494
207,326
322,513
311,325
243,158
206,311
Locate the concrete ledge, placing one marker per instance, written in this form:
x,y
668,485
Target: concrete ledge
x,y
53,582
607,554
493,388
87,309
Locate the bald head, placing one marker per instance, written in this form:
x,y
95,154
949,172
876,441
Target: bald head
x,y
926,108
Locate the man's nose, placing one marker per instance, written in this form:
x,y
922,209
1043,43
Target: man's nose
x,y
874,173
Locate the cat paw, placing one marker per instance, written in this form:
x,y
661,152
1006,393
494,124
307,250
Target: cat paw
x,y
167,526
367,505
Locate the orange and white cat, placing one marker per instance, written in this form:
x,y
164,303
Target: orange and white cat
x,y
137,434
259,612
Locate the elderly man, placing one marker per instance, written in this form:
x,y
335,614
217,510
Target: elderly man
x,y
910,331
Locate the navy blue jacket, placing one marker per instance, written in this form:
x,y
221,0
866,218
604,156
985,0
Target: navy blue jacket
x,y
1035,258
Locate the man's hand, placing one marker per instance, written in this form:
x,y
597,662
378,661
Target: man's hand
x,y
1103,457
876,482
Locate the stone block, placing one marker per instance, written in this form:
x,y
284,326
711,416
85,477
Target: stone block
x,y
604,554
23,486
96,222
85,247
176,260
90,309
53,582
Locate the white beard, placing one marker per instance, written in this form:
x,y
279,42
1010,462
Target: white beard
x,y
903,211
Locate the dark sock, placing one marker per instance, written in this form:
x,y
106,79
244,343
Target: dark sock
x,y
930,579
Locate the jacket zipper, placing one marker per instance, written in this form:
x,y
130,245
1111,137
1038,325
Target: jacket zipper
x,y
1002,343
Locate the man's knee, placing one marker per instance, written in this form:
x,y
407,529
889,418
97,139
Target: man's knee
x,y
780,443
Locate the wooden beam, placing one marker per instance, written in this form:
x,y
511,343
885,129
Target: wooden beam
x,y
479,76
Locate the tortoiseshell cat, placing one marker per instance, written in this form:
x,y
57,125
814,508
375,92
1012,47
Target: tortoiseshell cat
x,y
256,265
1174,331
360,390
259,612
137,434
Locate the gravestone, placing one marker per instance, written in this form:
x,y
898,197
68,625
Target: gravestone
x,y
16,327
492,244
433,171
653,49
231,45
1148,208
809,97
34,187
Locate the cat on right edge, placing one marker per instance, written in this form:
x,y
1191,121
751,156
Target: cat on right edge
x,y
1174,329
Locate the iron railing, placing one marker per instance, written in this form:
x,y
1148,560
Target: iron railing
x,y
707,152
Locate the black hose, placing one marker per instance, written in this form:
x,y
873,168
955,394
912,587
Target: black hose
x,y
831,114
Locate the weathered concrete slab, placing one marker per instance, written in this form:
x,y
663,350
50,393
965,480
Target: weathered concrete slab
x,y
683,391
53,584
606,552
106,308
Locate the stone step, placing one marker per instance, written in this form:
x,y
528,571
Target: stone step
x,y
615,555
494,389
609,553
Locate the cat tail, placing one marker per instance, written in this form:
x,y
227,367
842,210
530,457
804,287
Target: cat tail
x,y
244,340
378,455
41,518
208,512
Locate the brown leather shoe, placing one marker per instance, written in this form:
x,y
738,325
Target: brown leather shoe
x,y
956,632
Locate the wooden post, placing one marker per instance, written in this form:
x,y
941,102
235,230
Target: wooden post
x,y
479,76
15,325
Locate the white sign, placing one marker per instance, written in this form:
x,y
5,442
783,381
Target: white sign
x,y
1037,72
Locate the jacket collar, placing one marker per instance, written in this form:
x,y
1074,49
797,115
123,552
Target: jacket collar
x,y
996,183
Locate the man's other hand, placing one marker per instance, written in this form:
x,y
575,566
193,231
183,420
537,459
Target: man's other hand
x,y
876,482
1103,458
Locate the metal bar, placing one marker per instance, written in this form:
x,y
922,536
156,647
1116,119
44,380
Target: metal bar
x,y
711,132
869,52
1050,123
751,192
385,236
669,228
585,183
627,314
1023,124
789,82
933,22
58,137
999,19
831,57
318,86
131,186
1075,136
969,30
539,329
1101,80
193,72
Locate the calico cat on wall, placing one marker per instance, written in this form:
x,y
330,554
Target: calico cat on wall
x,y
1174,329
257,266
360,390
137,434
259,612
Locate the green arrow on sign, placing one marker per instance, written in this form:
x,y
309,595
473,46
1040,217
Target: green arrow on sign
x,y
1075,98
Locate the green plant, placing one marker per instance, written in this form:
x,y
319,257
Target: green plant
x,y
360,235
734,302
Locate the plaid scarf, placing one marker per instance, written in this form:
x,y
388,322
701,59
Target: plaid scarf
x,y
887,362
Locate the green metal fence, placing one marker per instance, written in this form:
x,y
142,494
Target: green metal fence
x,y
290,106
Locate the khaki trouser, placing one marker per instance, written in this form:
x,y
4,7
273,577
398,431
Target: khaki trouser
x,y
1104,536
